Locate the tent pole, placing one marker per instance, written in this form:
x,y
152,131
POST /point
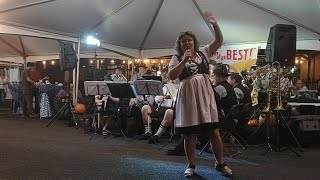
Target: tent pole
x,y
78,67
24,62
150,26
204,18
74,95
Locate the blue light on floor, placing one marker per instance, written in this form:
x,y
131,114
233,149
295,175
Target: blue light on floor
x,y
155,169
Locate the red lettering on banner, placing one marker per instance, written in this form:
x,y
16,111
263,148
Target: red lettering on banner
x,y
234,57
240,54
229,54
236,54
245,53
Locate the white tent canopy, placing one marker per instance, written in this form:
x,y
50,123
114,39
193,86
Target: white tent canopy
x,y
148,28
14,47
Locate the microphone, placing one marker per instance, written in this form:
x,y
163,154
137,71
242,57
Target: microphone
x,y
189,58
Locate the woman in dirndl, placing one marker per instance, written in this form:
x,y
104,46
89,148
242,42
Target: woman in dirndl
x,y
196,108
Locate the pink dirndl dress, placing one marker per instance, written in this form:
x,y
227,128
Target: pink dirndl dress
x,y
196,105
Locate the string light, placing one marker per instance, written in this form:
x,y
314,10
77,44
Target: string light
x,y
43,62
52,62
146,60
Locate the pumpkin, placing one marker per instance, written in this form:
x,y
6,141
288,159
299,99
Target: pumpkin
x,y
80,108
252,122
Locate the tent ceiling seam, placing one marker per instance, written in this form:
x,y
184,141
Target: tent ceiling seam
x,y
26,5
204,18
280,16
151,25
22,46
106,18
33,28
11,46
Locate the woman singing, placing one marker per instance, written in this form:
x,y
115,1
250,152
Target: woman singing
x,y
196,108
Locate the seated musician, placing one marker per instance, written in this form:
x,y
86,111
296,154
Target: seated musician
x,y
300,86
227,95
141,72
243,93
107,107
260,82
135,106
118,75
162,108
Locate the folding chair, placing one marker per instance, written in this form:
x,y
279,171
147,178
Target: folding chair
x,y
228,126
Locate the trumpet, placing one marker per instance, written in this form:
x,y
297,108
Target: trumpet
x,y
260,70
121,77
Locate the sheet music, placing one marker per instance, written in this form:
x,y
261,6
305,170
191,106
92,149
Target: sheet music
x,y
91,87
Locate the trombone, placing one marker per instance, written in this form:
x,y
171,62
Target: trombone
x,y
279,100
274,86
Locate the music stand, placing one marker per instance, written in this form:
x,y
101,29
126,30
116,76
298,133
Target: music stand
x,y
96,88
121,90
93,88
148,87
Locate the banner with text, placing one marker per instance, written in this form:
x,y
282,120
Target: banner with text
x,y
238,57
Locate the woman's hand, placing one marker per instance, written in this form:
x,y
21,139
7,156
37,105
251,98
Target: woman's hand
x,y
210,17
187,55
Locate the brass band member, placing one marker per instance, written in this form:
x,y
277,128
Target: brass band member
x,y
260,83
118,75
106,105
163,108
243,93
141,72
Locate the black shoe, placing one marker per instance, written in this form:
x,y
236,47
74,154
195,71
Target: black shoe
x,y
144,136
176,151
153,139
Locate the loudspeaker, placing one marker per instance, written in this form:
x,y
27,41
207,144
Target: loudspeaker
x,y
68,57
281,45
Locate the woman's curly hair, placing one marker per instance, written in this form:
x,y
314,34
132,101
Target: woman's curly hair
x,y
177,46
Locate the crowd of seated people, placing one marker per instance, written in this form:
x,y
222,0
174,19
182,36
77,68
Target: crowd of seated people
x,y
229,89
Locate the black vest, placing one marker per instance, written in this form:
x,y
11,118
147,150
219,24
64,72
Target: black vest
x,y
231,98
246,93
202,68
